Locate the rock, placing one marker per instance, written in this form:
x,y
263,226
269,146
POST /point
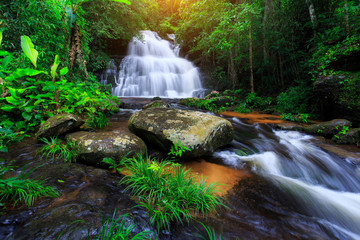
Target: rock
x,y
336,99
162,127
92,147
328,129
288,126
351,137
156,103
59,125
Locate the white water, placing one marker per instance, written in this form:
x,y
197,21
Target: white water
x,y
154,68
323,186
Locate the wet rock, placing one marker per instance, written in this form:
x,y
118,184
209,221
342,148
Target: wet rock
x,y
92,147
351,137
156,103
288,126
59,125
328,129
162,127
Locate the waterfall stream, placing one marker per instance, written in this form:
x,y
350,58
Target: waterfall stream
x,y
321,185
153,68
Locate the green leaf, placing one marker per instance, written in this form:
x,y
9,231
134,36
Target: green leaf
x,y
26,116
64,71
122,1
4,53
29,50
55,66
13,101
19,73
7,108
60,181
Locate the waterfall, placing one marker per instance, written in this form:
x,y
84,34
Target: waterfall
x,y
154,68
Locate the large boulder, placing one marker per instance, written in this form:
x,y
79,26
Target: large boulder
x,y
58,125
339,97
328,129
92,147
163,127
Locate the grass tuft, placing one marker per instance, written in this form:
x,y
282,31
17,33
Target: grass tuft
x,y
168,191
56,148
21,189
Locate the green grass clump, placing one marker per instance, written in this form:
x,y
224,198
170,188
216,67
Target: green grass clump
x,y
56,148
119,228
21,189
168,191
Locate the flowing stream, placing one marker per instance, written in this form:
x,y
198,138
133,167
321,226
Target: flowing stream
x,y
153,68
279,185
320,185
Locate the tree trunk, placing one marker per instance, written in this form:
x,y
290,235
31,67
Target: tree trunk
x,y
267,12
347,27
231,69
251,55
312,15
75,51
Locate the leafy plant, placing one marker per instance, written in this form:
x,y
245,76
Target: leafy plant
x,y
21,189
343,131
177,150
97,120
7,135
302,117
210,233
56,148
120,228
115,165
168,191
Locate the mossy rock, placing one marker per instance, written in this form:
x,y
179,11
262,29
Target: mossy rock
x,y
58,125
328,129
157,103
351,137
163,127
92,147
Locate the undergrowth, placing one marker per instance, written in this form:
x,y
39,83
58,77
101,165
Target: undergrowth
x,y
20,189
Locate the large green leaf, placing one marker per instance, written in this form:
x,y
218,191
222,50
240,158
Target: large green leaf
x,y
122,1
29,50
13,101
55,66
64,71
19,73
7,108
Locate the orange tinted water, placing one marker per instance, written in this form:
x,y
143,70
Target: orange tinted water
x,y
214,173
255,117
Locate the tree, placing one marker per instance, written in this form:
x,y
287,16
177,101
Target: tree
x,y
72,7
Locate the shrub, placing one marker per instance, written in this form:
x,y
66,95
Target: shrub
x,y
97,120
296,100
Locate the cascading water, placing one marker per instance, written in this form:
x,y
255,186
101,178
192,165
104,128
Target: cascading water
x,y
153,68
322,186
